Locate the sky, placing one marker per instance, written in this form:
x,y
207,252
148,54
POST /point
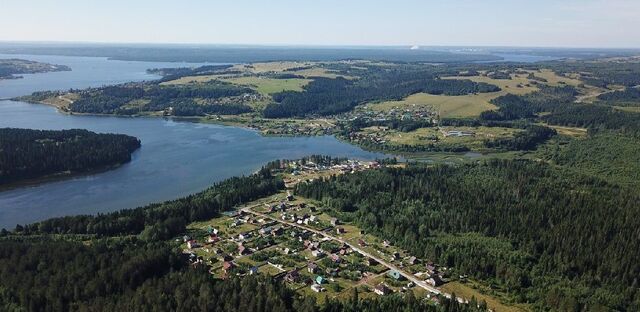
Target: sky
x,y
530,23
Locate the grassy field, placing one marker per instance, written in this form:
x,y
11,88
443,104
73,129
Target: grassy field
x,y
191,79
268,86
473,104
319,72
464,105
570,131
448,106
630,109
265,67
426,136
462,290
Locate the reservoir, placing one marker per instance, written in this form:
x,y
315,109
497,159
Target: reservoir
x,y
176,158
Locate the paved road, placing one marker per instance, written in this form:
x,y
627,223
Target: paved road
x,y
390,266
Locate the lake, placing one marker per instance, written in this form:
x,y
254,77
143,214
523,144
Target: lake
x,y
176,158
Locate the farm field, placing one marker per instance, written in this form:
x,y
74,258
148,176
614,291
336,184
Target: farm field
x,y
438,136
447,106
268,86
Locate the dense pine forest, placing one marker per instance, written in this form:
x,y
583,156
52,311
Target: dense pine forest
x,y
547,236
28,154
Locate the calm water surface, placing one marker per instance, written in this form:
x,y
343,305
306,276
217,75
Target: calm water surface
x,y
176,158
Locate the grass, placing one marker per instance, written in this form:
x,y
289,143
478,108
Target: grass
x,y
570,131
265,67
462,290
319,72
461,106
448,106
424,136
191,79
268,86
629,109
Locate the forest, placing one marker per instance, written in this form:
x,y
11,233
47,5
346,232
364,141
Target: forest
x,y
180,100
12,68
325,96
547,236
29,154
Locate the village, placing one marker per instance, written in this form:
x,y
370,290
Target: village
x,y
294,239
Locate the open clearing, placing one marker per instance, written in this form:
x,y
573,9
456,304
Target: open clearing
x,y
266,67
467,292
447,106
268,86
437,137
191,79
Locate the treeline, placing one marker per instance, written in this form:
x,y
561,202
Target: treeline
x,y
527,140
610,156
558,104
132,99
596,118
27,154
165,220
544,235
325,96
169,74
602,74
627,97
548,99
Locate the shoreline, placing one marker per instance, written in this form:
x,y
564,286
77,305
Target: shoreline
x,y
56,177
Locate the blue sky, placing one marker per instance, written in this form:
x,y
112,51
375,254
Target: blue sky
x,y
555,23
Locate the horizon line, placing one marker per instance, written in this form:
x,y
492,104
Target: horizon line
x,y
490,46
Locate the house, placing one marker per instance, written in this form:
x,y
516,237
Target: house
x,y
332,272
186,238
371,262
292,276
431,268
227,265
312,267
317,253
334,221
289,196
212,238
385,243
320,280
361,242
243,236
382,289
395,275
395,256
340,230
412,260
335,258
317,288
265,230
242,250
435,281
226,258
192,244
277,231
253,270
